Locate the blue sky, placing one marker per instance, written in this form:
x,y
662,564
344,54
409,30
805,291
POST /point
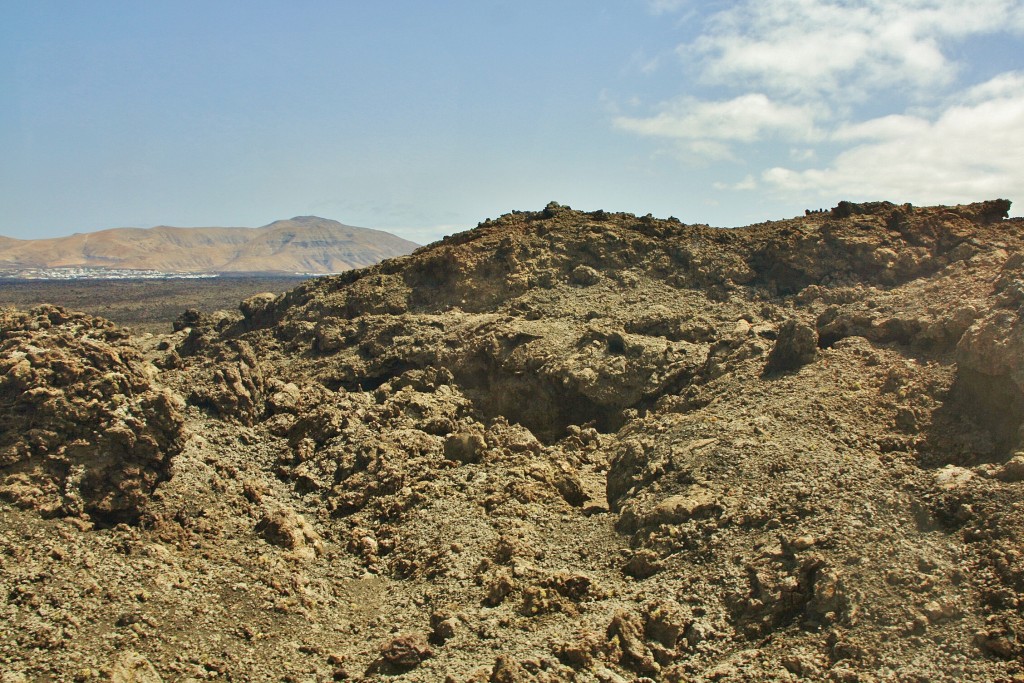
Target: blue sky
x,y
425,118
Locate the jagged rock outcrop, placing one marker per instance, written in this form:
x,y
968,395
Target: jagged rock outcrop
x,y
85,428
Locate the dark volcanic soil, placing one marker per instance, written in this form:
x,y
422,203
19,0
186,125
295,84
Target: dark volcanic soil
x,y
142,305
562,446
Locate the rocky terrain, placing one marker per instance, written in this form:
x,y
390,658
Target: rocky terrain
x,y
304,244
561,446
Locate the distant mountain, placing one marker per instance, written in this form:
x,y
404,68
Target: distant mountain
x,y
305,244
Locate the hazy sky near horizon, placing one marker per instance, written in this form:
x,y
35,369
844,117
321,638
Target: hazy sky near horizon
x,y
426,118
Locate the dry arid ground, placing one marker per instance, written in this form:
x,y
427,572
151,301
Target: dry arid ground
x,y
562,446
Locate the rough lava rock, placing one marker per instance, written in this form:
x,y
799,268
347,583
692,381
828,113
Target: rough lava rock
x,y
796,346
561,446
85,427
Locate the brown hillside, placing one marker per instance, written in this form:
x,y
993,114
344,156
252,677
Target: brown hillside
x,y
562,446
305,244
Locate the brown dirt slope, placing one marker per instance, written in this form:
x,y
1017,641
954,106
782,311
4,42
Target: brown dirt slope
x,y
562,446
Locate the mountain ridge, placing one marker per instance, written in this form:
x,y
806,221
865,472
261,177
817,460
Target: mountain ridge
x,y
307,244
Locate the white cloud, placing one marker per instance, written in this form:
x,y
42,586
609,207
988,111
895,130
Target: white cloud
x,y
1007,84
698,151
973,150
749,182
892,126
871,94
746,118
650,66
848,48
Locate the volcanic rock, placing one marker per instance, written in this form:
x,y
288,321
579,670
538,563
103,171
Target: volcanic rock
x,y
85,427
566,445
